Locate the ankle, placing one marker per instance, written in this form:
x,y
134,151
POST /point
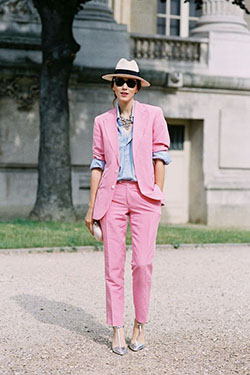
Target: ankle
x,y
118,337
119,342
118,328
137,340
118,331
138,325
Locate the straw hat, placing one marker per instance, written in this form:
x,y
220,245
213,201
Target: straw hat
x,y
127,69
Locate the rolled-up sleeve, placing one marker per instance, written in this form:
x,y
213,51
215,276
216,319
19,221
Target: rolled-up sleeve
x,y
163,155
96,163
161,140
98,147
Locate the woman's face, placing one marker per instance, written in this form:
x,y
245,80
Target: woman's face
x,y
122,90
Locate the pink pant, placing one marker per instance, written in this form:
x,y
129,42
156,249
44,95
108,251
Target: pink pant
x,y
144,214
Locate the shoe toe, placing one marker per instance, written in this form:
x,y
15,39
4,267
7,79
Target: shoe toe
x,y
120,350
135,346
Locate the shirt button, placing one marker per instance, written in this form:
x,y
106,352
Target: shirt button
x,y
117,170
113,186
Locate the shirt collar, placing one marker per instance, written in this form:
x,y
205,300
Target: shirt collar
x,y
118,112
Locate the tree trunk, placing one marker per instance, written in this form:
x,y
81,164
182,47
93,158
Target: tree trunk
x,y
54,193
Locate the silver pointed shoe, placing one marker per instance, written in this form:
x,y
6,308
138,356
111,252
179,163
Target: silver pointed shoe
x,y
135,346
121,350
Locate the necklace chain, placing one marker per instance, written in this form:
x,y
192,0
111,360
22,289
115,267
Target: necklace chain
x,y
126,123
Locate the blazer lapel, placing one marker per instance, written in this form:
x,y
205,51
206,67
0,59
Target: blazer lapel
x,y
112,132
139,127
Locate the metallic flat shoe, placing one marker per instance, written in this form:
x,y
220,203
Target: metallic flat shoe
x,y
121,350
135,346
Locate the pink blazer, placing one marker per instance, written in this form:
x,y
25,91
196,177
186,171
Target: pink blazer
x,y
150,134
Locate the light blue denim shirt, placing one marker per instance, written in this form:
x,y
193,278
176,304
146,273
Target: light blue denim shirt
x,y
127,170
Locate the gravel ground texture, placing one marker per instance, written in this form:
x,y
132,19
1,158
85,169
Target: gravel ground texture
x,y
52,314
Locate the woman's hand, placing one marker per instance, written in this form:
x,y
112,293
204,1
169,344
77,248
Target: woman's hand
x,y
95,178
89,220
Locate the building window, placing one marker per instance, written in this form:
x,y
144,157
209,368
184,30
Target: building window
x,y
194,14
176,133
176,18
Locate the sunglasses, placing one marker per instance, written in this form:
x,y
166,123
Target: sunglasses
x,y
131,83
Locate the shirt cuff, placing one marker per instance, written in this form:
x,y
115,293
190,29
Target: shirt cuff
x,y
163,155
97,163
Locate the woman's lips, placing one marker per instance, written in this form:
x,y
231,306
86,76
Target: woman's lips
x,y
124,94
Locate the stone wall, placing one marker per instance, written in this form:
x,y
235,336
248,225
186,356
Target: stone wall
x,y
219,162
143,17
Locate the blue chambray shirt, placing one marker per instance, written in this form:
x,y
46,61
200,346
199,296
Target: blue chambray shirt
x,y
127,170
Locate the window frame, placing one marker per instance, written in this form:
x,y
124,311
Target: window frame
x,y
183,18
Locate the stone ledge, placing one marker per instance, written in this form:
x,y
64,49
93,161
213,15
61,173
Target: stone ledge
x,y
20,42
157,77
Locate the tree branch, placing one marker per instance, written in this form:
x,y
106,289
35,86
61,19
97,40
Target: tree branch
x,y
240,3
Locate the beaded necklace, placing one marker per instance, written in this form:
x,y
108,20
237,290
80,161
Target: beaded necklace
x,y
126,123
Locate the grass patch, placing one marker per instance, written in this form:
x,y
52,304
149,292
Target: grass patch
x,y
28,234
177,235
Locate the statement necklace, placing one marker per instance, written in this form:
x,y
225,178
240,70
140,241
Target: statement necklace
x,y
126,123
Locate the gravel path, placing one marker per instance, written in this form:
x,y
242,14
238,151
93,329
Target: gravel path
x,y
52,314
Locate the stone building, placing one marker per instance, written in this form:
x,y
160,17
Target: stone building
x,y
199,65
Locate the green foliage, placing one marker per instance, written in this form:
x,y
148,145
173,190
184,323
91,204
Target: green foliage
x,y
28,234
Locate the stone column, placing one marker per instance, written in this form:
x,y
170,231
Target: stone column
x,y
220,16
97,10
229,39
103,41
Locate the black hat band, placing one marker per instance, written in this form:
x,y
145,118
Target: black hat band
x,y
125,71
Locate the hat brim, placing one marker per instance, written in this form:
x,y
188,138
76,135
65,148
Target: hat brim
x,y
108,77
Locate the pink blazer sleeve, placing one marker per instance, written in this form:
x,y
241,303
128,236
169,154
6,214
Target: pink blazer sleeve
x,y
161,141
98,148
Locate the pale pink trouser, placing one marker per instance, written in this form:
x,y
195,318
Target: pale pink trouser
x,y
144,214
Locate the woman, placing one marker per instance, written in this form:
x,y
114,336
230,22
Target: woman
x,y
130,144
